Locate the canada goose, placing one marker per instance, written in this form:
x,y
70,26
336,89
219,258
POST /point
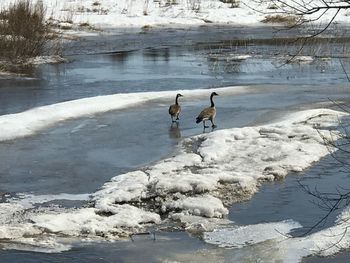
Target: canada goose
x,y
208,113
175,109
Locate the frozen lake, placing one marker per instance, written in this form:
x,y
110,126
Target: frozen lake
x,y
78,156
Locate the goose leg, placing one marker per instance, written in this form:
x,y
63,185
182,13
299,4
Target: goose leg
x,y
177,117
212,124
204,125
172,118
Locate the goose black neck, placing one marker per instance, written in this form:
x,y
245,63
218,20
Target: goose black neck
x,y
211,100
176,102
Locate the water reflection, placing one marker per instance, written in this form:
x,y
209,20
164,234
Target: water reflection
x,y
157,54
224,66
22,69
120,57
174,131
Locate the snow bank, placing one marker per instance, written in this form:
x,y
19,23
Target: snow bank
x,y
44,229
222,167
136,13
88,222
228,165
207,206
126,13
29,122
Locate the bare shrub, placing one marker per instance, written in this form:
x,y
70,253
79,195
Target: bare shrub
x,y
194,5
234,3
23,31
84,24
145,8
170,2
146,29
272,6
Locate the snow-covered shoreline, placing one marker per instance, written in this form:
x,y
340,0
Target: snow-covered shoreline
x,y
104,14
131,13
195,187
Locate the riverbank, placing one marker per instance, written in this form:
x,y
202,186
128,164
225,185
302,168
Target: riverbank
x,y
79,155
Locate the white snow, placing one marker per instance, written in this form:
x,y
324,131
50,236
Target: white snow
x,y
29,122
42,229
206,205
126,187
87,222
241,236
229,57
302,59
136,13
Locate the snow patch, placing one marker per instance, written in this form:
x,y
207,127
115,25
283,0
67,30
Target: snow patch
x,y
241,236
88,222
68,14
207,206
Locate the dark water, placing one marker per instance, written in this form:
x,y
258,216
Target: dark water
x,y
142,249
290,198
78,156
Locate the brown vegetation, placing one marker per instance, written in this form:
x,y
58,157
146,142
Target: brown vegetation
x,y
23,31
281,19
234,3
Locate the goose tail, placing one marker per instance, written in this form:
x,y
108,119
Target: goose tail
x,y
198,120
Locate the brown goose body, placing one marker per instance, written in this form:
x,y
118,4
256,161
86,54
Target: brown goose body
x,y
208,113
175,109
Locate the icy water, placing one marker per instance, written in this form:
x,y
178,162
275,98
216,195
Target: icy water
x,y
78,156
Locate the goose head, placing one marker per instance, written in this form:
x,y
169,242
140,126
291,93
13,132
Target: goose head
x,y
177,96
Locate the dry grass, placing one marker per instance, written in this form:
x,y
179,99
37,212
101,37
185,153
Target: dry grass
x,y
171,2
145,29
24,34
281,19
85,24
23,31
234,3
